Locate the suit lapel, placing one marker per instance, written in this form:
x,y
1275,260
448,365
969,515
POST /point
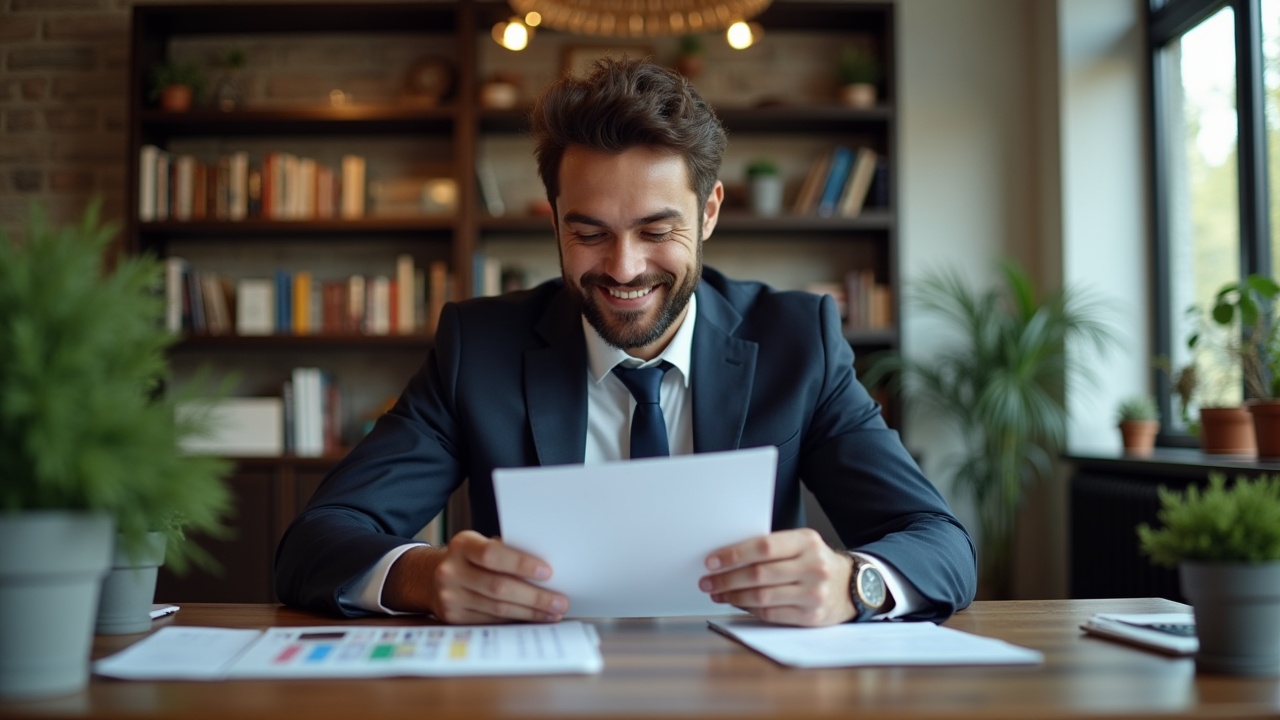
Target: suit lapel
x,y
555,386
723,367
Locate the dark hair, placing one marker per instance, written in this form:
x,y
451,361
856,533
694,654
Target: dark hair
x,y
623,104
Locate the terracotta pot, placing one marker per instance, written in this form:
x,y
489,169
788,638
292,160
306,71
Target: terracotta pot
x,y
1266,426
1227,431
1139,436
176,98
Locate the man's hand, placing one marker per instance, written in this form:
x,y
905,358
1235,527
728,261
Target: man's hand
x,y
473,580
789,577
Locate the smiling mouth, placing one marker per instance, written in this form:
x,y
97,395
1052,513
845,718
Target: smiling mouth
x,y
628,294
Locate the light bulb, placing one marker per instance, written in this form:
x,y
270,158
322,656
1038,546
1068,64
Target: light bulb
x,y
513,34
742,35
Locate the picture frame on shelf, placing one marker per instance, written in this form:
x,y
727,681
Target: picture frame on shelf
x,y
578,59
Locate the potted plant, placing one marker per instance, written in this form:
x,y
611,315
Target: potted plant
x,y
689,57
999,384
1244,310
860,73
177,85
764,183
1139,421
1225,543
89,443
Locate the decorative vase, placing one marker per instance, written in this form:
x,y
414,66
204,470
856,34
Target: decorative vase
x,y
1227,431
1139,436
766,195
859,95
1237,609
1266,426
130,587
51,568
176,98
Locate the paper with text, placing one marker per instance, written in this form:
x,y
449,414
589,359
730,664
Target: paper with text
x,y
630,539
873,643
358,651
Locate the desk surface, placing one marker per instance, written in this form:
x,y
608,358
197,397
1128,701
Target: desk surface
x,y
677,668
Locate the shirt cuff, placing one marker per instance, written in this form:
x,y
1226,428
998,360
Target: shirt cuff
x,y
905,598
366,593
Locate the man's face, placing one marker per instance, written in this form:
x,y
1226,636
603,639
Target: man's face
x,y
628,231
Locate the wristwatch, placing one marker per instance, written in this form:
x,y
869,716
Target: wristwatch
x,y
868,590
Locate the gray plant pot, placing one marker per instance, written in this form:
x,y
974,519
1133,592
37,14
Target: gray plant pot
x,y
1237,608
51,568
766,195
130,587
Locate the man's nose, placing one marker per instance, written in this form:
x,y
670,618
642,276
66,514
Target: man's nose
x,y
625,259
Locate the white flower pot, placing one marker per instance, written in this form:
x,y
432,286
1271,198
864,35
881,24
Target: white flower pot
x,y
129,589
51,568
766,195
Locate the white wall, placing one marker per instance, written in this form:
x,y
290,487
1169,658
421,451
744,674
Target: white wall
x,y
1022,136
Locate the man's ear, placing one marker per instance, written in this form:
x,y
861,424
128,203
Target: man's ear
x,y
711,210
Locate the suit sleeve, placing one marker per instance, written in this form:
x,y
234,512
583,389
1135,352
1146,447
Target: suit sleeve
x,y
875,494
390,486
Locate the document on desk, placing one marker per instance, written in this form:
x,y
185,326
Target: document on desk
x,y
357,651
873,643
1171,633
629,539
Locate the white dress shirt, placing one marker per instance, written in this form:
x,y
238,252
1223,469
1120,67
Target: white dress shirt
x,y
609,410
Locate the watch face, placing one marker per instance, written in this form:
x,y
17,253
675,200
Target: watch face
x,y
871,586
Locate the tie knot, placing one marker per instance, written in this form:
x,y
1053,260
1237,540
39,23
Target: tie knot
x,y
644,383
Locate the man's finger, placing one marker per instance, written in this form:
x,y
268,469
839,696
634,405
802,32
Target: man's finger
x,y
774,546
491,554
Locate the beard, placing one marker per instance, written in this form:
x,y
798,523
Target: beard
x,y
629,330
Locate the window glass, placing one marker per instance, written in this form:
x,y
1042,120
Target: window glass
x,y
1271,103
1203,203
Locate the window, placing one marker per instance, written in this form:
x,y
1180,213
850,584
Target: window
x,y
1215,67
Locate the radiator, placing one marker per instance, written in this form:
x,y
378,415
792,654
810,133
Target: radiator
x,y
1105,562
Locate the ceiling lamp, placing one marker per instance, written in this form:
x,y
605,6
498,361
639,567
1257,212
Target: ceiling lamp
x,y
515,33
640,18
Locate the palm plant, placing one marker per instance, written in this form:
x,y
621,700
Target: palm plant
x,y
1001,386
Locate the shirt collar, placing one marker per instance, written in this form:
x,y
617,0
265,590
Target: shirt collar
x,y
602,357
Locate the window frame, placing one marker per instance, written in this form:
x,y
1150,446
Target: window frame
x,y
1168,20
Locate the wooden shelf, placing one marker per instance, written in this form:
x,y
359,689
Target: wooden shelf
x,y
737,222
229,229
307,120
301,342
771,119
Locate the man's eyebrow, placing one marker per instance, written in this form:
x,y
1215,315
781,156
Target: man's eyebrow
x,y
584,219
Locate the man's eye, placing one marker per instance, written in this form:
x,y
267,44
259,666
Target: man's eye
x,y
589,236
658,235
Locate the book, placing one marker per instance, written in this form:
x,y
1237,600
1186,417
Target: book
x,y
255,306
302,303
238,426
176,304
148,160
837,176
437,293
406,320
284,302
1170,633
353,187
487,181
807,198
855,190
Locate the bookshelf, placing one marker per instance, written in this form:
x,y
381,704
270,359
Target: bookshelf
x,y
367,49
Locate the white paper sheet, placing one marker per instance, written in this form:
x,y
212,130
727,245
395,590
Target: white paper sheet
x,y
630,539
351,651
873,643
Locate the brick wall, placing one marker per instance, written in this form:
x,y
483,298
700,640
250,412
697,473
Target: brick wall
x,y
63,106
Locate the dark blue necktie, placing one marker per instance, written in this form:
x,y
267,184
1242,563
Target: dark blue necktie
x,y
648,430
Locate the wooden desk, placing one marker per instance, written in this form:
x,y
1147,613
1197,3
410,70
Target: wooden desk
x,y
677,668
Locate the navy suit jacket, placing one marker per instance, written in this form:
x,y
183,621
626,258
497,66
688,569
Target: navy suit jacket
x,y
504,385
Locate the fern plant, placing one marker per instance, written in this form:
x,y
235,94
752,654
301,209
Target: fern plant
x,y
85,423
999,384
1240,523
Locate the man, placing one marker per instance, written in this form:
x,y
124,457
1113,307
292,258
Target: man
x,y
629,157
